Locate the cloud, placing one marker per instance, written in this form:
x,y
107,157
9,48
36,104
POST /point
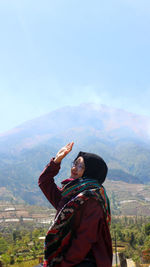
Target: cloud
x,y
130,100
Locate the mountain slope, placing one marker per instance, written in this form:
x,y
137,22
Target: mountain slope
x,y
121,138
101,121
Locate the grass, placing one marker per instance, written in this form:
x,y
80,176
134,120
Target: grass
x,y
30,263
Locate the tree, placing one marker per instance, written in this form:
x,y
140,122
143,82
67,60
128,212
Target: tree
x,y
147,229
3,245
132,239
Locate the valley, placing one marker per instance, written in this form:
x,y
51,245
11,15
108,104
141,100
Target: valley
x,y
125,200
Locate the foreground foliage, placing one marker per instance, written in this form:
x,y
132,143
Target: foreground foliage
x,y
132,235
21,243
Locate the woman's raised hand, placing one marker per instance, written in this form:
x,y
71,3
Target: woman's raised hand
x,y
63,152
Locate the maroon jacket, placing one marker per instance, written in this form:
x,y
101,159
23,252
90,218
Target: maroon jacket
x,y
92,232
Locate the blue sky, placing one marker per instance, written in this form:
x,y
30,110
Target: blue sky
x,y
68,52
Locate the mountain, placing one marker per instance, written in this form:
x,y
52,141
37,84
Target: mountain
x,y
104,122
121,138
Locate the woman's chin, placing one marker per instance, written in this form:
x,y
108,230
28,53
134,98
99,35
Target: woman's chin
x,y
73,176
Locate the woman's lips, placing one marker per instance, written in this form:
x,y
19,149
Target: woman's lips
x,y
73,173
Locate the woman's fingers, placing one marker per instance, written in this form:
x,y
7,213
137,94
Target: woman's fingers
x,y
69,147
66,149
63,152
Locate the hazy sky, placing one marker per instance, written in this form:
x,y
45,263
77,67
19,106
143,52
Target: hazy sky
x,y
67,52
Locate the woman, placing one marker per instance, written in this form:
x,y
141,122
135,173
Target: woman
x,y
80,234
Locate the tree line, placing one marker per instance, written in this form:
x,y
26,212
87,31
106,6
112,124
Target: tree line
x,y
21,242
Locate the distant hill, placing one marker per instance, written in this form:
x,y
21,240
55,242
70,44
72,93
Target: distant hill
x,y
125,199
121,138
119,175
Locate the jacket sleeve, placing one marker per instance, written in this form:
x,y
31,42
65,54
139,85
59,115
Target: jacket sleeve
x,y
47,184
86,234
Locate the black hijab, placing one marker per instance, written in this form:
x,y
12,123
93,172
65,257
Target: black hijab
x,y
95,166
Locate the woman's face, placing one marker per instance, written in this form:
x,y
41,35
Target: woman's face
x,y
78,168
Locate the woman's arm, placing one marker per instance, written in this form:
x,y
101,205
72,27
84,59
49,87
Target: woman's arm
x,y
46,179
47,184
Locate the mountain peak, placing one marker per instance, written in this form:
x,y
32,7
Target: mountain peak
x,y
121,138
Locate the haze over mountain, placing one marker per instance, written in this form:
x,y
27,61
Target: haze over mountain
x,y
121,138
105,122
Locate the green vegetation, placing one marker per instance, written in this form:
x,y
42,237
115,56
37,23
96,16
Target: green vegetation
x,y
132,235
20,245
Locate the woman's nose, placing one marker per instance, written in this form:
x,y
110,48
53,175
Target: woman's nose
x,y
74,167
